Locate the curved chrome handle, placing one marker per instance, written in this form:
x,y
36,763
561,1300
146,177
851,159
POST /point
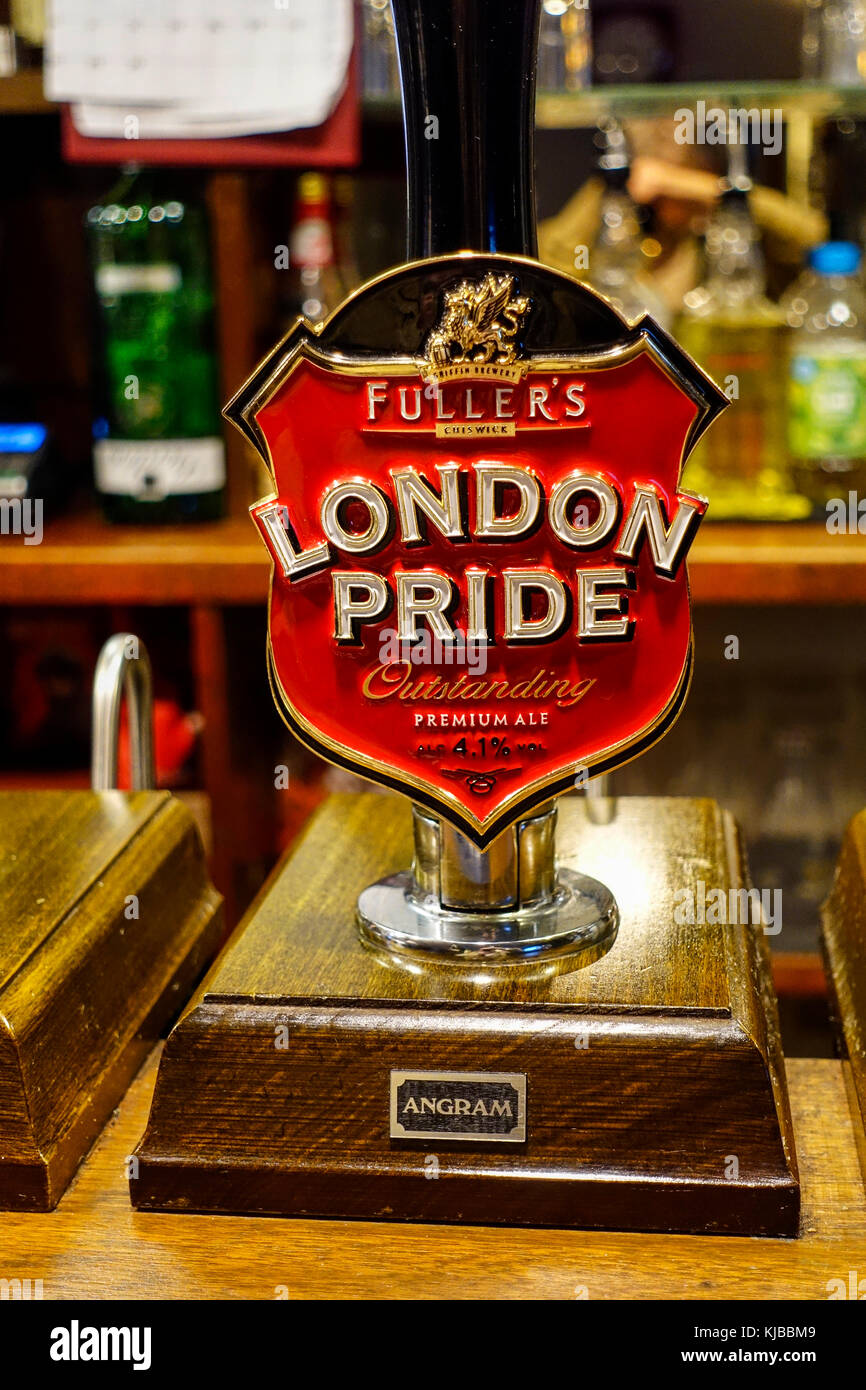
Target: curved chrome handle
x,y
122,668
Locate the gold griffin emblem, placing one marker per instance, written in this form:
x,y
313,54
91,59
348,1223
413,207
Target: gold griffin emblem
x,y
477,331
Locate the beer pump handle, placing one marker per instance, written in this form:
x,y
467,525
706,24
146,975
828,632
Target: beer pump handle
x,y
469,160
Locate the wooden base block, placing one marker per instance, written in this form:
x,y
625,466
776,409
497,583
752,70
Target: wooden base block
x,y
655,1091
107,921
844,939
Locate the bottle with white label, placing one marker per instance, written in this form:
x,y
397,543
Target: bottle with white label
x,y
826,311
158,450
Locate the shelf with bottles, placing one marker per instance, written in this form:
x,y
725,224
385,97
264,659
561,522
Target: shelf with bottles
x,y
264,249
593,105
175,341
22,93
257,292
794,367
794,443
320,260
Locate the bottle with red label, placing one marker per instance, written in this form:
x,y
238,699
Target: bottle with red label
x,y
315,284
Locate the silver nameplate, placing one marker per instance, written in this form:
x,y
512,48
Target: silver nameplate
x,y
487,1107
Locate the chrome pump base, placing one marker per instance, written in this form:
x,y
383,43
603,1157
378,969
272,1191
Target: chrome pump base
x,y
502,905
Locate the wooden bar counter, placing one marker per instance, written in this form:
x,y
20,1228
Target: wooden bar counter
x,y
95,1246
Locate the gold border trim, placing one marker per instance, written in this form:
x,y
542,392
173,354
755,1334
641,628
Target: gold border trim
x,y
446,803
276,366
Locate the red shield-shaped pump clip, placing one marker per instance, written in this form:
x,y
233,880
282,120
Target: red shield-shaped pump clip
x,y
478,535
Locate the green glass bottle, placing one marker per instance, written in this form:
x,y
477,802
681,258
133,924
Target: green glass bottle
x,y
158,450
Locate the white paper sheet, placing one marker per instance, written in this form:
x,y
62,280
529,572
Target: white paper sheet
x,y
198,67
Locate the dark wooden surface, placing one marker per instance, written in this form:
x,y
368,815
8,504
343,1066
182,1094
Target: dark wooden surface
x,y
107,919
654,1075
95,1246
844,937
300,942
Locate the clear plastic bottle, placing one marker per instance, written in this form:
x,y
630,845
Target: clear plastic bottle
x,y
617,264
564,46
826,312
736,334
834,41
793,846
378,50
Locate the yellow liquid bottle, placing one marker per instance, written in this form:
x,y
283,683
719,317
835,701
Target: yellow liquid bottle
x,y
737,335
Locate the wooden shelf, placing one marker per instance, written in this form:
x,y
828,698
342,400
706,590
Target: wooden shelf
x,y
785,562
44,779
799,975
21,94
584,109
818,100
83,560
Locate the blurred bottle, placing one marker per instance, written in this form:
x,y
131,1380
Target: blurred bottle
x,y
314,285
28,22
826,311
158,453
344,223
379,50
794,846
834,41
635,43
564,46
811,40
736,334
617,264
8,59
